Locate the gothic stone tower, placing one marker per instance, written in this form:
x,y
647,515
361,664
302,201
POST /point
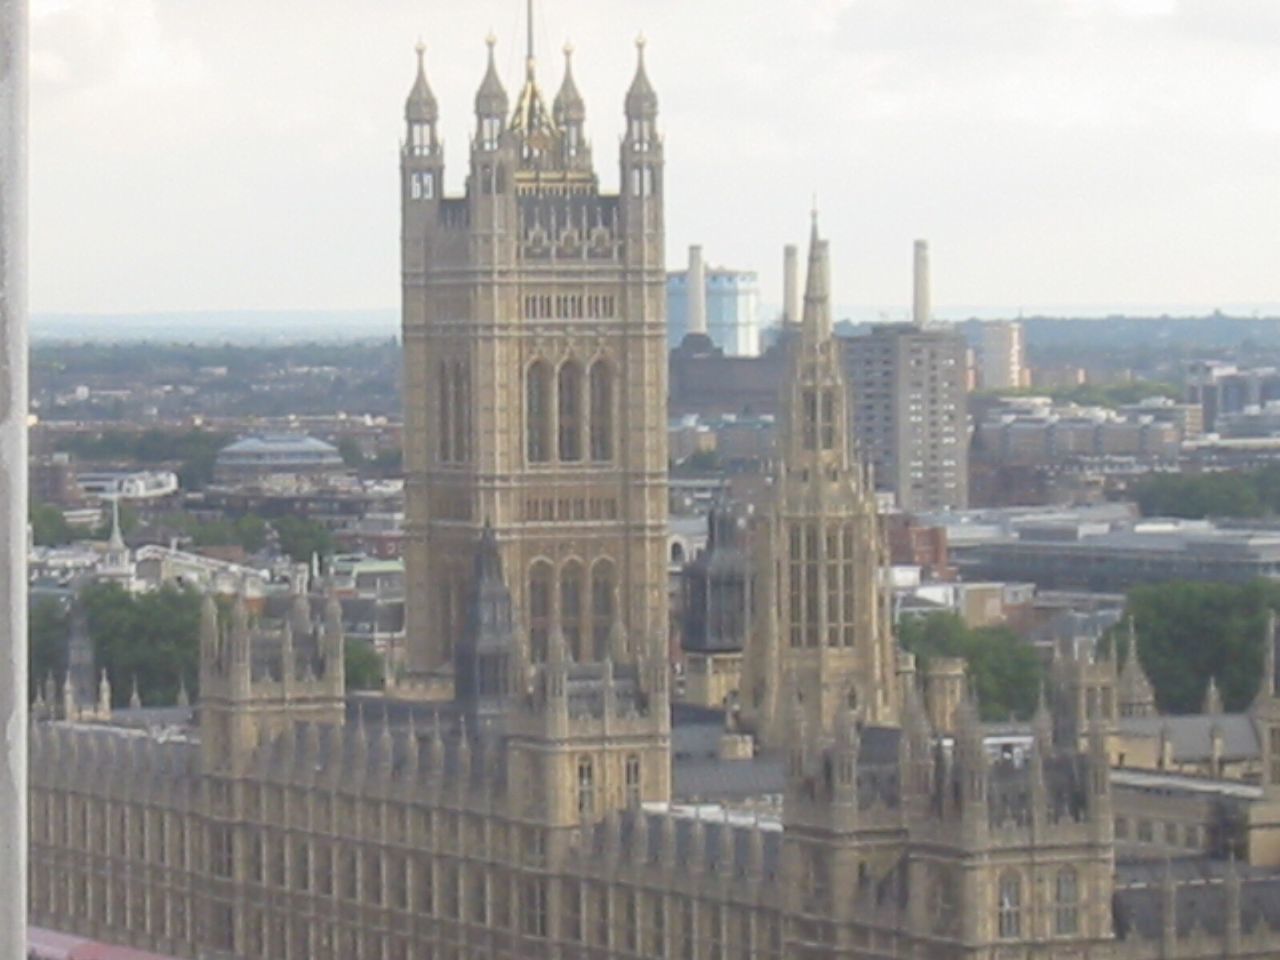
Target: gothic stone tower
x,y
535,374
823,635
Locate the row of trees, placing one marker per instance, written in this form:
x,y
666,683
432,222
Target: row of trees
x,y
1254,493
298,537
150,638
194,451
1187,633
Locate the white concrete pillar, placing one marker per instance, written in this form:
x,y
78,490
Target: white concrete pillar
x,y
696,287
791,306
921,307
13,479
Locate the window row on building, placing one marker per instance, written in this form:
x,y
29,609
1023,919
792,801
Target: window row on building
x,y
569,414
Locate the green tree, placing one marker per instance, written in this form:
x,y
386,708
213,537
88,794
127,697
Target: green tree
x,y
301,538
349,450
1189,632
363,666
47,634
251,532
49,528
152,637
1004,670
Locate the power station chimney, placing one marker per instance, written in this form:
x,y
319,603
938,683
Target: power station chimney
x,y
696,287
921,308
790,284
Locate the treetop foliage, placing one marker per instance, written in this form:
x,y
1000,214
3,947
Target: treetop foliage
x,y
1004,670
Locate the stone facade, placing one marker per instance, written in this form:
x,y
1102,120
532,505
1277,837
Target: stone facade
x,y
535,374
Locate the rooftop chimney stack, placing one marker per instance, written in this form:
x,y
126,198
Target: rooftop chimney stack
x,y
921,307
790,284
697,293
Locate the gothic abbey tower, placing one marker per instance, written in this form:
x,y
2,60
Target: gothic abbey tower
x,y
533,332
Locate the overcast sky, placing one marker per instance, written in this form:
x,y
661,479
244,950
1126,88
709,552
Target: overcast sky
x,y
227,154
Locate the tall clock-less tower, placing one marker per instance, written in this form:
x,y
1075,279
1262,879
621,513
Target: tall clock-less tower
x,y
823,642
535,374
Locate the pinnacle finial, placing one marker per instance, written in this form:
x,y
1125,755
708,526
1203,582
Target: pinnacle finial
x,y
420,49
491,40
568,50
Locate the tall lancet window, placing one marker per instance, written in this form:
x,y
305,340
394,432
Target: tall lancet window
x,y
570,411
420,135
1009,906
603,584
601,382
828,419
538,412
571,607
809,414
444,429
490,130
461,411
540,585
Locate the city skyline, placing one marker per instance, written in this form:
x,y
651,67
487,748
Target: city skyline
x,y
999,134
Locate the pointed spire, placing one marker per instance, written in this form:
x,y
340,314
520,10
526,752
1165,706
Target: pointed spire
x,y
184,699
208,626
491,98
116,542
411,749
437,751
1267,688
421,107
816,321
1042,724
1212,699
642,101
104,696
135,699
568,106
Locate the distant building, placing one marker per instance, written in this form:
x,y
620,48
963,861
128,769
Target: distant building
x,y
259,456
1034,431
1224,388
129,484
909,412
1001,354
1066,555
728,310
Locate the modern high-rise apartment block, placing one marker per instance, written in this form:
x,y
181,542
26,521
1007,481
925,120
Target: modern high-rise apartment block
x,y
910,417
1001,353
727,310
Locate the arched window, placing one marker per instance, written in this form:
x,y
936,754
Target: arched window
x,y
603,585
677,552
537,402
461,411
444,430
1067,902
586,787
570,410
571,607
1009,906
632,774
601,381
540,580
